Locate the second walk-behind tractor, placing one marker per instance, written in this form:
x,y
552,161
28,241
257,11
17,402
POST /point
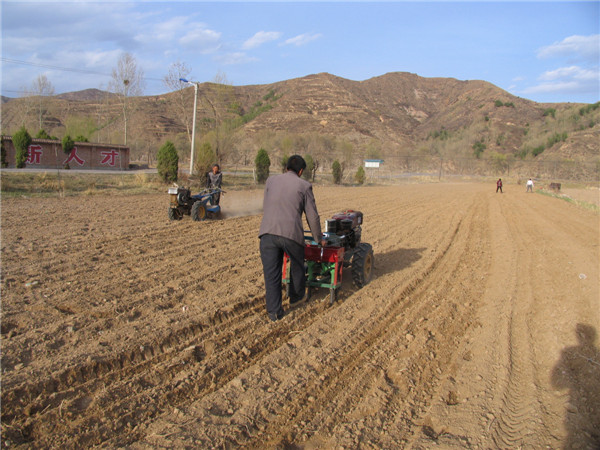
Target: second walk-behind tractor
x,y
324,265
204,205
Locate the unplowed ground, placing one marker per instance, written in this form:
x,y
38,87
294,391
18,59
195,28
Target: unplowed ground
x,y
479,329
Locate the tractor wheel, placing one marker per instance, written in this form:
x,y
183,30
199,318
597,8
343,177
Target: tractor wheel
x,y
198,211
175,214
362,265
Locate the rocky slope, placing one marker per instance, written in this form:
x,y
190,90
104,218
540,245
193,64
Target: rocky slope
x,y
400,112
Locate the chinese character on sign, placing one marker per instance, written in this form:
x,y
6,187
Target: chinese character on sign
x,y
109,157
73,156
34,154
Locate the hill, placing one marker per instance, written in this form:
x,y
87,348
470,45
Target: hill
x,y
396,117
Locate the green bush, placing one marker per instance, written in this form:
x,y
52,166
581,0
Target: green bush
x,y
359,176
167,162
589,108
499,103
550,112
262,164
539,149
478,148
67,144
558,137
336,169
204,162
42,135
310,167
283,162
21,141
3,161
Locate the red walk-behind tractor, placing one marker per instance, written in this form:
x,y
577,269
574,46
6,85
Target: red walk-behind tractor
x,y
324,265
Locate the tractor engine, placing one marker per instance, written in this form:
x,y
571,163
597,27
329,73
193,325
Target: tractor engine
x,y
180,196
343,229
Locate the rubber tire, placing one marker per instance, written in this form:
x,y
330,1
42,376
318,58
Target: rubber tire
x,y
174,214
362,265
198,211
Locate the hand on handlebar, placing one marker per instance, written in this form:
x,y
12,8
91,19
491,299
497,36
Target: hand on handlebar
x,y
323,243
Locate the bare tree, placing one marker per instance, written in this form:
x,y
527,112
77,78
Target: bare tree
x,y
42,88
173,82
127,81
221,98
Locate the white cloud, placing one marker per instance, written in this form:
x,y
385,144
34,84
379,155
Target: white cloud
x,y
164,31
573,47
572,79
582,78
234,58
574,72
303,39
201,39
260,38
569,87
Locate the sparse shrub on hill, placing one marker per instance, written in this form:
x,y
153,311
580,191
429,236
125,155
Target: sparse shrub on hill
x,y
337,171
359,176
589,108
557,137
441,134
478,148
538,150
262,164
167,162
21,141
500,103
550,112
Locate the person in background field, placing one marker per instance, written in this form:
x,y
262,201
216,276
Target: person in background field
x,y
287,196
499,185
529,186
214,180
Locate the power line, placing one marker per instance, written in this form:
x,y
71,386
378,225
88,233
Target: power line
x,y
65,69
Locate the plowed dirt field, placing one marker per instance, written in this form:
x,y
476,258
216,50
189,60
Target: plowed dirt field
x,y
479,328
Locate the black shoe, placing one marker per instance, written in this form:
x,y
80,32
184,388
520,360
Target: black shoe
x,y
276,317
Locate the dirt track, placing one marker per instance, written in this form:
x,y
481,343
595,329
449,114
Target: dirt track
x,y
121,328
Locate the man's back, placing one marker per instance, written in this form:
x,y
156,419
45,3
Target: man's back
x,y
287,196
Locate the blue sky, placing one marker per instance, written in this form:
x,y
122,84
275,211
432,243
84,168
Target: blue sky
x,y
542,51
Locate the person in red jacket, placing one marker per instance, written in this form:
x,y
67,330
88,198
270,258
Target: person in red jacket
x,y
499,185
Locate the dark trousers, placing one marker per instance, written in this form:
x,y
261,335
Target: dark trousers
x,y
271,254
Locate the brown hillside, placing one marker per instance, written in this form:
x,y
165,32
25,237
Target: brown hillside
x,y
398,113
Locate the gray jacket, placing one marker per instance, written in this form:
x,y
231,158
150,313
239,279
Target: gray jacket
x,y
287,196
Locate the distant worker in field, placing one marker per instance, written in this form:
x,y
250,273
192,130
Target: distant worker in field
x,y
499,185
287,196
214,180
529,186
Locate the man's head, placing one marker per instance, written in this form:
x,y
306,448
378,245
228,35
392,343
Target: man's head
x,y
296,163
215,168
